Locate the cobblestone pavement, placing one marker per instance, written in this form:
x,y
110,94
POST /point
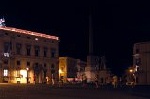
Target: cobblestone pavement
x,y
39,91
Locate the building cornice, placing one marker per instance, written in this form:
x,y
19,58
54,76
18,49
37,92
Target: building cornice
x,y
11,29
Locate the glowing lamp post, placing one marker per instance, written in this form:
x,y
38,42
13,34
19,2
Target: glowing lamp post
x,y
27,75
132,74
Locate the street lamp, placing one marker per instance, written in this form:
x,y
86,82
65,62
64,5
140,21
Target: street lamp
x,y
132,75
27,75
131,70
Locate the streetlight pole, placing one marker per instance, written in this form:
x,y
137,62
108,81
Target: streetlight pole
x,y
27,75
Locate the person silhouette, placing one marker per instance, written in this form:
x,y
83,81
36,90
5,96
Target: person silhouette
x,y
96,81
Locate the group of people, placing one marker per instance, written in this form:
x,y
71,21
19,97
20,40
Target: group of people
x,y
84,81
115,81
97,82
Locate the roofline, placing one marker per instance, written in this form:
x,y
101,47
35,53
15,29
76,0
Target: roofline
x,y
29,32
141,43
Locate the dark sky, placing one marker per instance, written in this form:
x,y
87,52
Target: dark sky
x,y
116,26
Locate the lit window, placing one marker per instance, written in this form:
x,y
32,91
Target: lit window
x,y
5,72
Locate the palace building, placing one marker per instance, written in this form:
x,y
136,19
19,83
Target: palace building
x,y
28,57
141,63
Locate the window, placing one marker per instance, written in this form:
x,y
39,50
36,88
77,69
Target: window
x,y
36,64
45,52
52,69
53,52
28,63
5,61
18,35
44,65
37,50
5,72
36,68
18,62
137,51
18,48
7,47
28,49
6,33
52,66
44,69
28,37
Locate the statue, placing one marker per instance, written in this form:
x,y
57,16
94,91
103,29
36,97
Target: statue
x,y
2,22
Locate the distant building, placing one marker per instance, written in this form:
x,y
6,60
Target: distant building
x,y
70,69
104,73
27,57
141,62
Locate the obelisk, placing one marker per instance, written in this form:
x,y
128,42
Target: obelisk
x,y
90,68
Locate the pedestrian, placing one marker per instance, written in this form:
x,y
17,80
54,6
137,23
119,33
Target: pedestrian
x,y
120,81
96,81
115,81
61,81
84,81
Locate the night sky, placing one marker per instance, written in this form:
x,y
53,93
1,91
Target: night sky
x,y
116,26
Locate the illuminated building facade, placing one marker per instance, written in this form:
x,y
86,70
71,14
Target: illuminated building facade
x,y
69,68
141,62
28,57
